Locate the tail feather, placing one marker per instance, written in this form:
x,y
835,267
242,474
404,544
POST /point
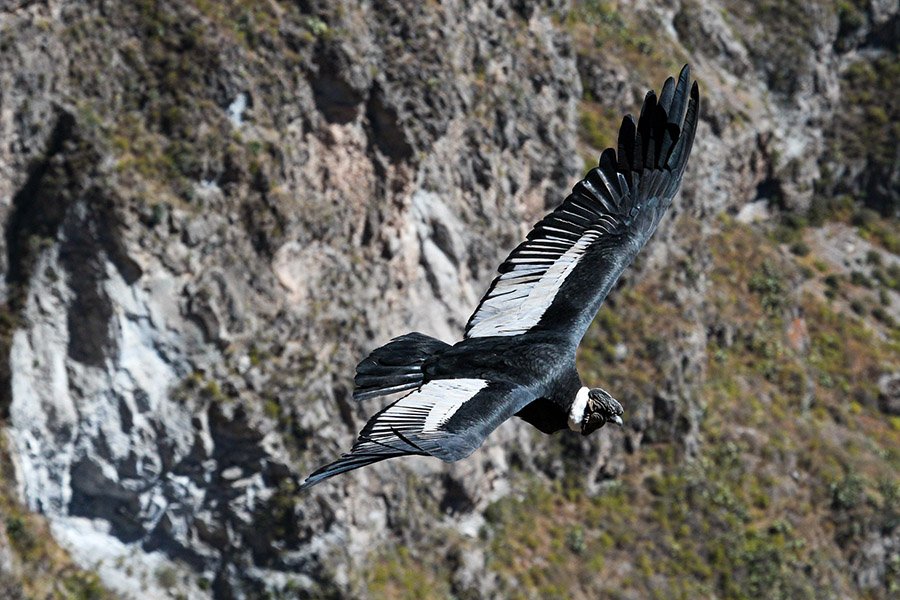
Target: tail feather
x,y
396,366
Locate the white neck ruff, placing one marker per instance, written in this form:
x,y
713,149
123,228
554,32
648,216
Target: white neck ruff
x,y
576,413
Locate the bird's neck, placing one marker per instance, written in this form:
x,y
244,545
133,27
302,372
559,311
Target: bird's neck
x,y
576,413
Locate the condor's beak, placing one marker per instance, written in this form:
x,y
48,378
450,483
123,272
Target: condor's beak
x,y
617,420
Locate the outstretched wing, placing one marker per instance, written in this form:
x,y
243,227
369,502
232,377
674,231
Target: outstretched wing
x,y
445,418
559,276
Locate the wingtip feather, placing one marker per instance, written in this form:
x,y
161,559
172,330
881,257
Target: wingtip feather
x,y
680,153
679,101
626,143
667,93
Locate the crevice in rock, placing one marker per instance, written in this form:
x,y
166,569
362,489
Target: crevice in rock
x,y
770,189
386,132
38,208
90,237
94,496
162,539
41,211
345,409
265,224
335,98
90,311
885,36
456,499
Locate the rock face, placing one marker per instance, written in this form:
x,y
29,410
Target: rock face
x,y
212,211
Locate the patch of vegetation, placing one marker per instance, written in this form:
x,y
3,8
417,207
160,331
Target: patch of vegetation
x,y
399,573
251,23
867,130
166,123
795,469
198,385
603,30
687,530
851,17
862,187
637,319
768,283
779,35
845,352
166,577
598,128
8,323
83,586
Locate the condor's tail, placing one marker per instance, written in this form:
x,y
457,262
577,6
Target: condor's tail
x,y
396,366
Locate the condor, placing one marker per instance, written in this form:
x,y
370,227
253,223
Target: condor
x,y
517,356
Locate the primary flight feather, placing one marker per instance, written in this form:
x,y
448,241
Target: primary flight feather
x,y
517,356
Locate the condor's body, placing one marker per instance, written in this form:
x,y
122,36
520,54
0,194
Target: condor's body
x,y
538,363
517,356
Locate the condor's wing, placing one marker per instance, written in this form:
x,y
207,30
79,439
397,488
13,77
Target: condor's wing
x,y
445,418
559,276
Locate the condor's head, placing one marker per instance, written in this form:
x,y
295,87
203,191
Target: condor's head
x,y
592,409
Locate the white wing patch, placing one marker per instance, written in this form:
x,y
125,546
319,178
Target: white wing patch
x,y
432,404
521,296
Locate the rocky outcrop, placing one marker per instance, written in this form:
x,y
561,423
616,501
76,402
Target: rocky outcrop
x,y
212,211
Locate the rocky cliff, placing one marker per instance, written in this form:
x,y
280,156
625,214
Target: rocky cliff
x,y
213,210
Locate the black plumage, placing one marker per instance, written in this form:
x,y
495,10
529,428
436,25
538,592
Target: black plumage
x,y
517,356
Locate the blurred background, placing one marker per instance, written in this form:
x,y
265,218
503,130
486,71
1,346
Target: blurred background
x,y
212,210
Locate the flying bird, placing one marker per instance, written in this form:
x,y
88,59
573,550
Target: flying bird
x,y
517,356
